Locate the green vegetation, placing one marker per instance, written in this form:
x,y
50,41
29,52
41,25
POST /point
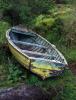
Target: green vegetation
x,y
57,23
3,27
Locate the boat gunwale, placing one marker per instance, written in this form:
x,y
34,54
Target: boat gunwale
x,y
54,47
31,58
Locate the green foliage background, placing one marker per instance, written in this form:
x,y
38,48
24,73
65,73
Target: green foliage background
x,y
55,22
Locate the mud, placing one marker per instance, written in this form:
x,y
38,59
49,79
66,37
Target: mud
x,y
4,47
72,66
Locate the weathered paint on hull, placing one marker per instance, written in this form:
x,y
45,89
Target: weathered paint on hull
x,y
19,56
42,72
45,71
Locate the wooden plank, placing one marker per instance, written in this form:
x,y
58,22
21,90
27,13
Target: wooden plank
x,y
47,60
36,53
23,32
30,44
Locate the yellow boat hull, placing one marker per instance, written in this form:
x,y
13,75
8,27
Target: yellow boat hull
x,y
20,57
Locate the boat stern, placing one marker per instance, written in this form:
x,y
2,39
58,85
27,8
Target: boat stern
x,y
47,69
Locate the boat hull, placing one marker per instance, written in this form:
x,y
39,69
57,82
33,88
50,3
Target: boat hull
x,y
19,56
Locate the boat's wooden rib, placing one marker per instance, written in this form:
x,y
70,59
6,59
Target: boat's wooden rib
x,y
36,53
47,60
30,44
22,32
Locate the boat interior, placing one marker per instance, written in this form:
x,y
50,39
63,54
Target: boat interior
x,y
33,46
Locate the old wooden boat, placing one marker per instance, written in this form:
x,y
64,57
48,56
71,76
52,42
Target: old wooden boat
x,y
35,53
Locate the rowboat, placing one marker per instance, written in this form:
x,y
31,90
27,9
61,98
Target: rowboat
x,y
35,53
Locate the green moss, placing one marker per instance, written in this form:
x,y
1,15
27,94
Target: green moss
x,y
42,20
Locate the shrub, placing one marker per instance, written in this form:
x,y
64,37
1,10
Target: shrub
x,y
56,31
40,6
12,16
42,20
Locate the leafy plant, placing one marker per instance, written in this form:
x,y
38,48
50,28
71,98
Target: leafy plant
x,y
14,73
42,20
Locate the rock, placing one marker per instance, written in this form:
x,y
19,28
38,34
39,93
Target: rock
x,y
24,93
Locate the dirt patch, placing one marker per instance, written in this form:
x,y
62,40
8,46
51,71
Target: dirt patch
x,y
4,46
5,49
13,16
72,66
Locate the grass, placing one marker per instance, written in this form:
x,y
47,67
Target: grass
x,y
3,27
71,54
